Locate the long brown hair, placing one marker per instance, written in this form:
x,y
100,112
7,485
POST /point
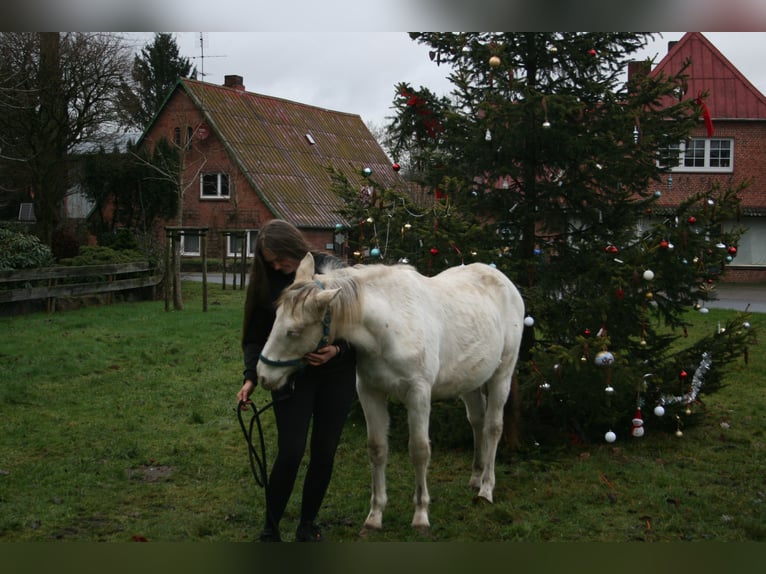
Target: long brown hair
x,y
284,240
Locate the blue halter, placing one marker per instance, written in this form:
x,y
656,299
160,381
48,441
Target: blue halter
x,y
301,361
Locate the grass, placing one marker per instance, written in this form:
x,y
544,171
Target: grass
x,y
118,423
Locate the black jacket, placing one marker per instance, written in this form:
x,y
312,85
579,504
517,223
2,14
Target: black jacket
x,y
262,320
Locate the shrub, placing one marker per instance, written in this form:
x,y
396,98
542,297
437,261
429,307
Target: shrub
x,y
22,251
100,255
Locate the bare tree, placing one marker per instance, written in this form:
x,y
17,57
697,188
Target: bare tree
x,y
179,164
58,93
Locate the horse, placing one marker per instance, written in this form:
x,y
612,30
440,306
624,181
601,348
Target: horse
x,y
417,339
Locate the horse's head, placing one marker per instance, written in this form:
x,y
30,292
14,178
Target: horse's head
x,y
301,326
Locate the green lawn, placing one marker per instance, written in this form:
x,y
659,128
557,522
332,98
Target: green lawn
x,y
118,423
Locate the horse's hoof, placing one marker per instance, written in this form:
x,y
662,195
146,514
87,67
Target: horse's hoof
x,y
481,500
423,529
366,530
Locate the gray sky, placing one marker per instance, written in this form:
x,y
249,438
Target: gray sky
x,y
356,72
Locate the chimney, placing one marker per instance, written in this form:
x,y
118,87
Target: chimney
x,y
234,82
638,67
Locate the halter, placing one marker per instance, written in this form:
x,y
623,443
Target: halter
x,y
301,361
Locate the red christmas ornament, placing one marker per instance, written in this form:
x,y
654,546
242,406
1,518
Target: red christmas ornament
x,y
434,251
732,250
683,374
664,244
692,220
396,167
620,294
611,249
592,52
586,332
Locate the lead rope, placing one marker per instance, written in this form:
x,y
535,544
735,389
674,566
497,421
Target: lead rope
x,y
257,457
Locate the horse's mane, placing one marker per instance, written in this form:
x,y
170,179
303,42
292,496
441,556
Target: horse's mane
x,y
346,306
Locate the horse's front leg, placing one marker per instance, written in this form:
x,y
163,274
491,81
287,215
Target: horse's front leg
x,y
376,417
418,413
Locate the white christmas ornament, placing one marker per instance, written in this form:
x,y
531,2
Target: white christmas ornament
x,y
610,437
528,321
604,358
648,274
659,410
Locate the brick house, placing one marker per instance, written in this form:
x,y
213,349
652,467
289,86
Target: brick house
x,y
735,151
248,158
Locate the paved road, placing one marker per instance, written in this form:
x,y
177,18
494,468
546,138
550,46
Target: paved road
x,y
736,296
740,297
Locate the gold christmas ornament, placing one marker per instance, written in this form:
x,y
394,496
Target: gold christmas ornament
x,y
494,61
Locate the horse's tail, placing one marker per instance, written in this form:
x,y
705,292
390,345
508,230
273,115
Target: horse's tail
x,y
512,420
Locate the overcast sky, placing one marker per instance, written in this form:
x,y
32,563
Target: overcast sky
x,y
356,72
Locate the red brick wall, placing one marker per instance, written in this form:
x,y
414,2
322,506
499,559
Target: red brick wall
x,y
749,164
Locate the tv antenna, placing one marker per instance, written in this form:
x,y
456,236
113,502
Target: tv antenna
x,y
202,55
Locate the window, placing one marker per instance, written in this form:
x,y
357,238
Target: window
x,y
177,136
27,212
700,154
234,244
214,185
190,244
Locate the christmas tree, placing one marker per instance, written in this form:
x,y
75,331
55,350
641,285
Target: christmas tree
x,y
547,163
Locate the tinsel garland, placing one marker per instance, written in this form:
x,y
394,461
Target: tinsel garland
x,y
696,384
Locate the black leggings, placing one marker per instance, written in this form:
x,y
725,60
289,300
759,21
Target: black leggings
x,y
324,397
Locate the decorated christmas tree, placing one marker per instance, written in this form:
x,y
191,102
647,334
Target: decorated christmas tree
x,y
547,162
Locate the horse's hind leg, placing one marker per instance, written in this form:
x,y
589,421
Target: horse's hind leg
x,y
376,417
475,407
498,389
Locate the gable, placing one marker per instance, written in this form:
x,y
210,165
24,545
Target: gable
x,y
284,150
730,94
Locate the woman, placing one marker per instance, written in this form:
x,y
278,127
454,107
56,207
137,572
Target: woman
x,y
319,395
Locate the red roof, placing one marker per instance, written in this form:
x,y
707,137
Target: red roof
x,y
730,94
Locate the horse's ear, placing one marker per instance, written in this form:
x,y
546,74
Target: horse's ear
x,y
305,270
325,296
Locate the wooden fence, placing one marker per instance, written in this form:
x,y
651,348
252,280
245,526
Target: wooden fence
x,y
50,283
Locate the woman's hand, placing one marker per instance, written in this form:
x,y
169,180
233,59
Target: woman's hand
x,y
321,356
244,393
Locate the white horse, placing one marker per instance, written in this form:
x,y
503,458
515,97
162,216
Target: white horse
x,y
417,339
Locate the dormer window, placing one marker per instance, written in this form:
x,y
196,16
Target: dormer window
x,y
310,139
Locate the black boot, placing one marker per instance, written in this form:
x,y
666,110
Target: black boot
x,y
308,532
270,534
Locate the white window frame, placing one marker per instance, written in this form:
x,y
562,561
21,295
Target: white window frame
x,y
249,244
230,239
190,248
707,147
222,191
